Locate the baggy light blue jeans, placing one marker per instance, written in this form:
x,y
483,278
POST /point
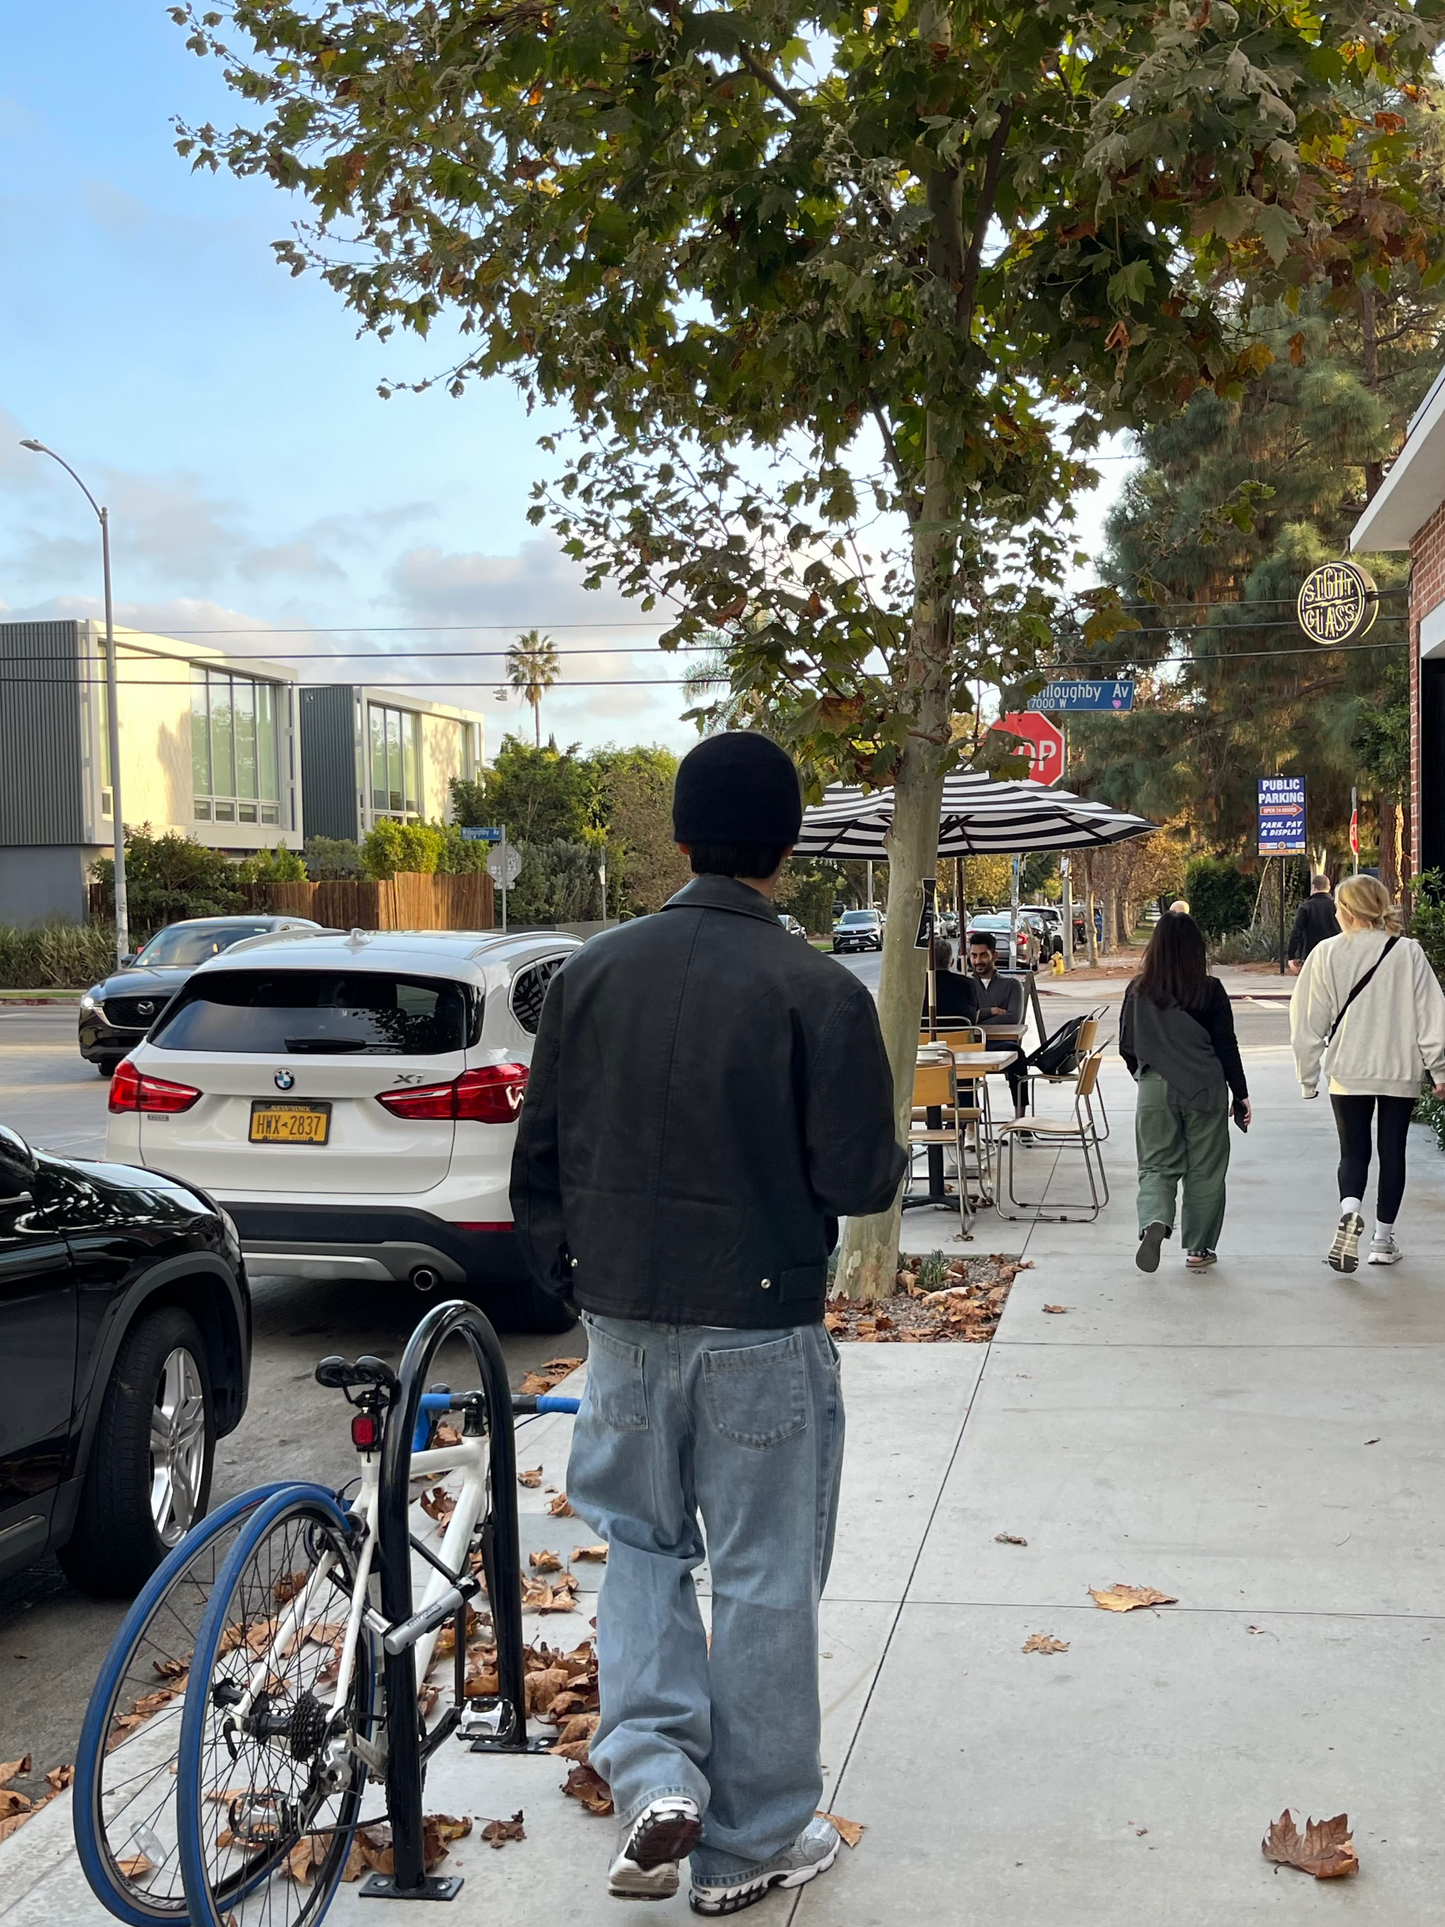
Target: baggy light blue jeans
x,y
746,1429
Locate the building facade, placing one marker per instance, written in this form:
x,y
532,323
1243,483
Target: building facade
x,y
1408,513
208,746
372,754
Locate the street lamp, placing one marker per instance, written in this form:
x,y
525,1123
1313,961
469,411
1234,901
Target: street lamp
x,y
112,705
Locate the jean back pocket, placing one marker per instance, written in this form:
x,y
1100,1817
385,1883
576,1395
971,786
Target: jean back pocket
x,y
758,1394
616,1387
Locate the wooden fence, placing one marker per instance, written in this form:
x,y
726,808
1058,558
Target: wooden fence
x,y
407,901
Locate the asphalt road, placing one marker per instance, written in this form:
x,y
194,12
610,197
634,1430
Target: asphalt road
x,y
52,1638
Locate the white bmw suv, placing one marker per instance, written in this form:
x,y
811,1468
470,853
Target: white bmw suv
x,y
352,1102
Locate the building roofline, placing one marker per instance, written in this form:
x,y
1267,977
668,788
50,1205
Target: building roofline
x,y
1415,486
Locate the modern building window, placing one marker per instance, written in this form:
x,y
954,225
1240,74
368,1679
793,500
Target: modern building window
x,y
235,769
394,740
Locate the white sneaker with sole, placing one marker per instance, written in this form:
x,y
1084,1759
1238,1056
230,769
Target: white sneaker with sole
x,y
665,1832
1384,1251
1344,1253
812,1853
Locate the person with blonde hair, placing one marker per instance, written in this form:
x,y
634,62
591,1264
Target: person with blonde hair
x,y
1369,1011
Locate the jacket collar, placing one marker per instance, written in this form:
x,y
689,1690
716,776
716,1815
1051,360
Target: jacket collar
x,y
724,893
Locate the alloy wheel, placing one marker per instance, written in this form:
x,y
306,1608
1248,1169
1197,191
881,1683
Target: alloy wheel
x,y
178,1447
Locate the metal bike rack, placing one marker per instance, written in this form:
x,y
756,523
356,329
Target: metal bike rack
x,y
407,1748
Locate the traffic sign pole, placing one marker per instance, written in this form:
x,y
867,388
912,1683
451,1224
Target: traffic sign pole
x,y
505,891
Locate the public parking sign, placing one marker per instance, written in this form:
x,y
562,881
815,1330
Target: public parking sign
x,y
1043,743
1063,697
1282,816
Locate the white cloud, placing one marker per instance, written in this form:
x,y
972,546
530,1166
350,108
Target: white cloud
x,y
291,559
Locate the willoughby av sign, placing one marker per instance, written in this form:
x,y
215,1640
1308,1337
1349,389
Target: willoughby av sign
x,y
1062,697
1338,602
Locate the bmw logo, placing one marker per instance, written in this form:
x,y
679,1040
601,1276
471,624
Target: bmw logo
x,y
284,1080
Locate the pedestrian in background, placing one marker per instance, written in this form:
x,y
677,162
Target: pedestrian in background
x,y
955,998
1314,922
1176,1035
707,1098
1368,1010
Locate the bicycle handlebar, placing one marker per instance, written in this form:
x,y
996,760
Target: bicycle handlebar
x,y
434,1403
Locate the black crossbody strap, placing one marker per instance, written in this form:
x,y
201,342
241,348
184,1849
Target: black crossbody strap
x,y
1357,988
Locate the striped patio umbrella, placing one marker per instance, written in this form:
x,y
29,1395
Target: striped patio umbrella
x,y
980,817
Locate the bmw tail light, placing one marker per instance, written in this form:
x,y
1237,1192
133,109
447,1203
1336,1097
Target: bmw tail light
x,y
491,1095
132,1090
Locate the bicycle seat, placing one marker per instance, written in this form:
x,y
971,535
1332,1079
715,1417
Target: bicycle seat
x,y
338,1376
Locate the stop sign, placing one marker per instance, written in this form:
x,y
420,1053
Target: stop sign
x,y
1043,743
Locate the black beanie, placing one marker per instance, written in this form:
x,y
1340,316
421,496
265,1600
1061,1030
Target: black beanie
x,y
737,788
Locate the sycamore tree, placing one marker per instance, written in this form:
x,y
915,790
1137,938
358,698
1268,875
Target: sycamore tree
x,y
838,297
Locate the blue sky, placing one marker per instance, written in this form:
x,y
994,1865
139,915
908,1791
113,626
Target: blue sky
x,y
229,414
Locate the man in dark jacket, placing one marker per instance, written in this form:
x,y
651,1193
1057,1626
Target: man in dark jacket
x,y
1313,922
707,1098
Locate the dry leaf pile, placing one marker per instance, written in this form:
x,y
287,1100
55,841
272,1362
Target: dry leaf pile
x,y
937,1300
548,1376
584,1783
1120,1598
16,1807
1325,1848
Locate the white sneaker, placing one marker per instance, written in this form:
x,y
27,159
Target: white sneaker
x,y
666,1831
1344,1253
812,1853
1384,1251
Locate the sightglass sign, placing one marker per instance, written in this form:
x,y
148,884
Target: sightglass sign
x,y
1282,816
1337,602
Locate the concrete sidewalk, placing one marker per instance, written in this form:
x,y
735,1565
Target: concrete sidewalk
x,y
1264,1440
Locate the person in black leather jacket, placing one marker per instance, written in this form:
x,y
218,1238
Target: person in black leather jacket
x,y
1315,922
707,1098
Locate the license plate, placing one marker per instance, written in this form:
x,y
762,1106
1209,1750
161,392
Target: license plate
x,y
290,1123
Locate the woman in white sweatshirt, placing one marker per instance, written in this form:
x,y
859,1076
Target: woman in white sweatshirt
x,y
1369,1010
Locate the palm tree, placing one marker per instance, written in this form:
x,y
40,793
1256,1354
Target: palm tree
x,y
532,667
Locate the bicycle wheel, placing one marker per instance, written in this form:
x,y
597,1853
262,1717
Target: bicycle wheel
x,y
124,1795
270,1775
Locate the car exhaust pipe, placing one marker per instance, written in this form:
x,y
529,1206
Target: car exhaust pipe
x,y
425,1278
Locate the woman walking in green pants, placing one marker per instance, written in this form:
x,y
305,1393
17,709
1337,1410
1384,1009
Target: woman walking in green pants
x,y
1176,1034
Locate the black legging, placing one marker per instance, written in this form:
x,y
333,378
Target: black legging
x,y
1352,1121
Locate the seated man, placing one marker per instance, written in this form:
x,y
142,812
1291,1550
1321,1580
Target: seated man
x,y
954,992
997,1000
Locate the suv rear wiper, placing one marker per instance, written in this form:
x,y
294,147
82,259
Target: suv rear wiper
x,y
325,1046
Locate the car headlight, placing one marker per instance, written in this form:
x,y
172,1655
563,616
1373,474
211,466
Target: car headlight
x,y
87,1002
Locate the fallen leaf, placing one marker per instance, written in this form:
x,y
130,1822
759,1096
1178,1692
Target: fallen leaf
x,y
60,1777
12,1769
550,1374
374,1844
1372,1441
497,1833
135,1866
288,1585
544,1686
1056,1308
1045,1643
544,1561
560,1508
306,1858
1325,1849
13,1802
355,1864
1008,1539
446,1434
438,1504
15,1820
581,1726
562,1366
172,1668
585,1784
850,1832
532,1478
1120,1598
598,1553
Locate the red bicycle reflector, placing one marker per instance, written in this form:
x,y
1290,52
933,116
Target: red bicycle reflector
x,y
366,1431
132,1090
490,1095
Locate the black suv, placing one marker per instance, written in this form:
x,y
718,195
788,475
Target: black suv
x,y
125,1351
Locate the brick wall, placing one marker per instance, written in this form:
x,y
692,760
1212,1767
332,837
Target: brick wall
x,y
1427,589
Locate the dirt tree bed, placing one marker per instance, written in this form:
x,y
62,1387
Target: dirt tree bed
x,y
937,1300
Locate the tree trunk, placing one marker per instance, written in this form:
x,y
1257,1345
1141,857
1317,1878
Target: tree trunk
x,y
1370,368
868,1261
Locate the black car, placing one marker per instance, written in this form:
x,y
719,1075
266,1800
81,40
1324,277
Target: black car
x,y
116,1014
125,1353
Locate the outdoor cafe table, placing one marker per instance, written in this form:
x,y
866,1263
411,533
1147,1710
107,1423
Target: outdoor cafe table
x,y
966,1062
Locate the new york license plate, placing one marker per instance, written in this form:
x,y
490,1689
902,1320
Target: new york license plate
x,y
290,1123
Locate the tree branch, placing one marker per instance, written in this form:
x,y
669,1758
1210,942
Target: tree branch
x,y
988,191
760,71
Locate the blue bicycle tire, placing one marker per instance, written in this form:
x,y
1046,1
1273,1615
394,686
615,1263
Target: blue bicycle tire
x,y
98,1855
195,1802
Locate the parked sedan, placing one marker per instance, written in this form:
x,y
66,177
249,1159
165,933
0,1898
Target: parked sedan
x,y
125,1348
116,1014
858,930
792,926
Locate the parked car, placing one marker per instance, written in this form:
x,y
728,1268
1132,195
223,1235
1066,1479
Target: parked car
x,y
1048,920
116,1013
948,923
352,1102
125,1351
792,926
858,930
1024,954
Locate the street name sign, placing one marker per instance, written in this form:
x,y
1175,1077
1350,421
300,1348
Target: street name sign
x,y
1043,743
1064,697
1282,816
489,834
1338,601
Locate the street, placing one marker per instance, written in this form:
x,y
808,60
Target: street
x,y
52,1638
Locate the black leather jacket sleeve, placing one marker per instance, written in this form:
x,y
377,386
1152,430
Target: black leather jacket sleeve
x,y
855,1162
